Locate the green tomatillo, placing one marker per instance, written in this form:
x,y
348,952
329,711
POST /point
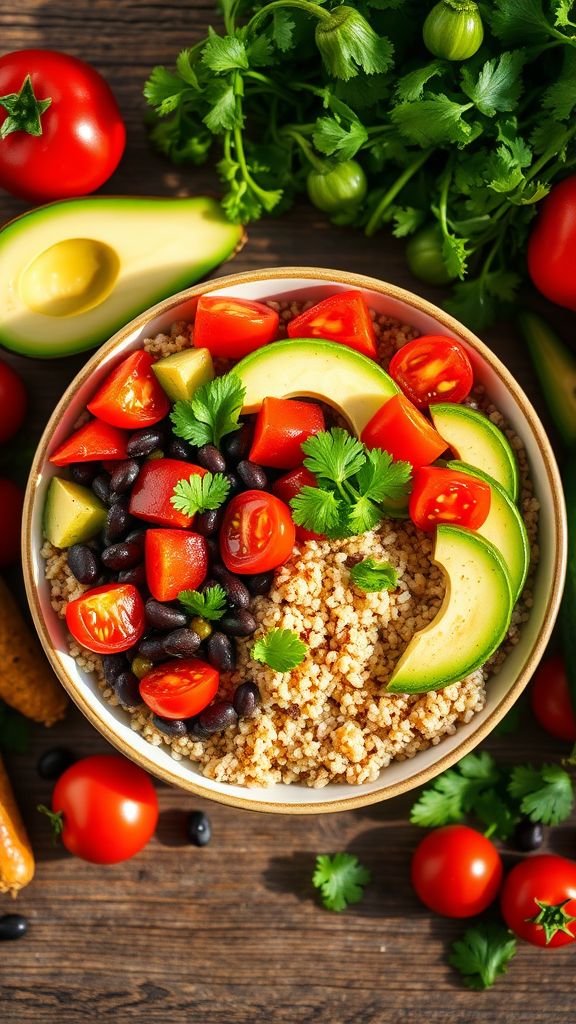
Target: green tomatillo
x,y
424,256
453,29
339,189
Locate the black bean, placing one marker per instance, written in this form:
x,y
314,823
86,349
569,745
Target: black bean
x,y
198,828
216,718
259,583
84,472
172,727
137,537
237,445
12,926
101,487
127,690
122,556
180,449
213,550
84,563
252,475
53,763
207,523
145,441
235,485
124,475
163,616
136,576
240,623
237,593
210,457
246,699
207,585
181,643
113,664
221,652
528,835
117,521
152,648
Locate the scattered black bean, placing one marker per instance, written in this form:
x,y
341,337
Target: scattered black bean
x,y
221,652
136,576
208,523
235,485
163,616
181,643
127,690
198,828
113,664
240,623
145,441
246,699
117,521
237,445
101,487
152,648
213,550
53,763
84,472
207,585
237,593
259,583
172,727
137,537
252,475
528,835
216,718
124,476
210,457
180,449
84,563
12,926
122,556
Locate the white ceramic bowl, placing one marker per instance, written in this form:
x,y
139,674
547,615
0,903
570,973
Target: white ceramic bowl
x,y
503,689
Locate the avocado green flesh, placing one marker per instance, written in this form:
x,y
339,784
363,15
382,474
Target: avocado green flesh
x,y
133,252
182,373
72,513
556,367
472,621
474,439
505,528
314,368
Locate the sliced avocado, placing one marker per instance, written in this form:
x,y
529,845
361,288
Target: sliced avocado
x,y
182,373
74,272
505,528
72,513
314,368
556,367
474,439
472,621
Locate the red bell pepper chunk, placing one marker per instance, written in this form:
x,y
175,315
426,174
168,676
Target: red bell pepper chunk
x,y
343,317
402,430
288,486
94,441
131,395
175,560
282,425
231,328
155,483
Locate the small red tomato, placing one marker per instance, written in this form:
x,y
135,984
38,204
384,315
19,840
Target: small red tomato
x,y
257,534
94,441
538,900
180,688
432,369
108,808
231,328
343,317
11,503
400,429
288,486
551,701
153,490
131,397
13,402
175,560
282,426
456,871
448,496
107,619
552,247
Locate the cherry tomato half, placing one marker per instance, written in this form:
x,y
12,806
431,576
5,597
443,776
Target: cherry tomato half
x,y
94,441
11,503
343,317
400,429
456,871
175,560
109,808
257,534
180,688
107,619
432,369
551,701
447,496
288,486
282,426
536,889
131,396
13,402
231,328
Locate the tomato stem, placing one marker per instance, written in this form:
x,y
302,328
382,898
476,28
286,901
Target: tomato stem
x,y
56,819
24,111
553,918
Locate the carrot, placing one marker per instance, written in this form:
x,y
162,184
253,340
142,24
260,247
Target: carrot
x,y
16,857
27,682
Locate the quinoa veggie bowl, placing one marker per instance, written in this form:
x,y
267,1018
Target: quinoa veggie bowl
x,y
350,717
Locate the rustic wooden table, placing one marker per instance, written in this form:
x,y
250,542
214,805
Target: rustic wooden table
x,y
233,933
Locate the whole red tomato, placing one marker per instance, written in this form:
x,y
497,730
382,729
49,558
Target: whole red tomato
x,y
538,900
108,808
550,698
12,400
11,502
552,245
456,871
61,132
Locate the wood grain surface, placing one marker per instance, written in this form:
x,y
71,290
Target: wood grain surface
x,y
233,933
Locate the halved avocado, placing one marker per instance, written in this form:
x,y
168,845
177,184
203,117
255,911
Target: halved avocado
x,y
504,527
314,368
472,621
73,272
474,439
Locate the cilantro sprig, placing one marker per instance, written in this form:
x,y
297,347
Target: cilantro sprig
x,y
281,649
354,484
372,576
211,605
341,880
200,493
482,954
211,413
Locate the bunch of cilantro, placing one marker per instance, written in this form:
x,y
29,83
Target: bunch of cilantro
x,y
289,85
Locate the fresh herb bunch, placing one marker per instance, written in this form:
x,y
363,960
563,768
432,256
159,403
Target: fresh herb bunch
x,y
294,90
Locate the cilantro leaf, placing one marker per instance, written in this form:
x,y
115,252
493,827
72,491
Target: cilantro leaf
x,y
411,86
222,115
333,454
341,880
373,576
210,605
281,649
332,136
381,479
211,413
519,21
546,794
164,90
563,10
407,220
313,504
224,53
559,99
433,121
348,44
494,812
483,954
363,515
498,85
283,30
454,793
200,493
